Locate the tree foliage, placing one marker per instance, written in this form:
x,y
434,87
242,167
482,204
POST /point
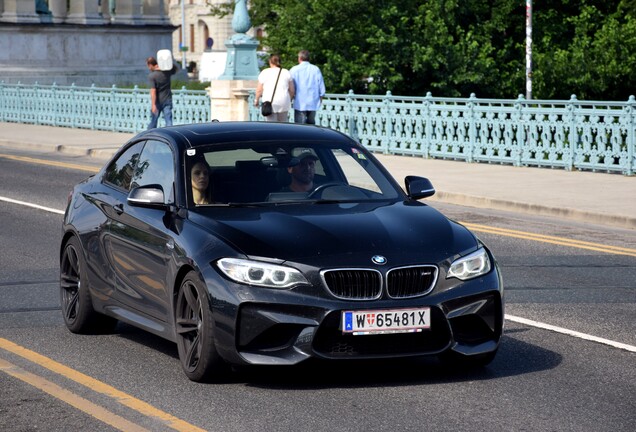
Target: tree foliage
x,y
458,47
587,48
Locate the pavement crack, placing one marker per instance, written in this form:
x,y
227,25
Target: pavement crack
x,y
20,283
34,309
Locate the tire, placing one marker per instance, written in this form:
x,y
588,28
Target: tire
x,y
77,307
194,329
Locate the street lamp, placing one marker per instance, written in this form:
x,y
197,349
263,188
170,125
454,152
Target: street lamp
x,y
183,36
528,49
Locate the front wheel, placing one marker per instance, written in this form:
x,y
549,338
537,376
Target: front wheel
x,y
77,307
194,329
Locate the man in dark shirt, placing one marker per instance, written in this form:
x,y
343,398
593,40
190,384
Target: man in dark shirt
x,y
160,93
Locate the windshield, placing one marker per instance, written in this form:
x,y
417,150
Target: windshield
x,y
274,173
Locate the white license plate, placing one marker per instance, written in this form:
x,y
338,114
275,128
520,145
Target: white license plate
x,y
386,321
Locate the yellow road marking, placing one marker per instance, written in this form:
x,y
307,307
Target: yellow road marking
x,y
551,239
70,398
98,386
51,163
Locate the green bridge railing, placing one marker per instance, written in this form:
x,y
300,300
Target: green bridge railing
x,y
566,134
111,109
569,134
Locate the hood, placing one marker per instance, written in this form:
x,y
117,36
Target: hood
x,y
341,234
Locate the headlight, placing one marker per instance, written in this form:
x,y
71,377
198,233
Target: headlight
x,y
470,266
260,274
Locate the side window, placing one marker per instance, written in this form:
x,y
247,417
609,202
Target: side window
x,y
156,166
120,172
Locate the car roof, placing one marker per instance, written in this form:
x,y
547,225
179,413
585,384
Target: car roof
x,y
204,134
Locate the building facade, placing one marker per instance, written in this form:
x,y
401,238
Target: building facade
x,y
101,42
106,42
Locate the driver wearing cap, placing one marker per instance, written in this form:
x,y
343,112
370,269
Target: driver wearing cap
x,y
302,169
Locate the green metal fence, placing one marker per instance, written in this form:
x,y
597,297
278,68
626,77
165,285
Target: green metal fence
x,y
112,109
569,134
566,134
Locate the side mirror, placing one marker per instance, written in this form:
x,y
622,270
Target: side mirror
x,y
147,196
418,187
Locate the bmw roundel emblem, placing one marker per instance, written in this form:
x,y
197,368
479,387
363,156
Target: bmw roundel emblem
x,y
378,259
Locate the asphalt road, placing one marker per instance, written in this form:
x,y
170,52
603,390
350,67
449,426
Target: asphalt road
x,y
540,380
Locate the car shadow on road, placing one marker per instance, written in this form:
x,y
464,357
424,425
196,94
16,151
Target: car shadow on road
x,y
515,357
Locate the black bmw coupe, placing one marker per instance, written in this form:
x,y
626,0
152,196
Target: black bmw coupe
x,y
253,243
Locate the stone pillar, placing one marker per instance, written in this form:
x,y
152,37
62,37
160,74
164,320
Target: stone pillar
x,y
128,12
59,10
20,11
154,12
229,99
241,62
84,12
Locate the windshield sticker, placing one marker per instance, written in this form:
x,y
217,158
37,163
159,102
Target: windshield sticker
x,y
191,152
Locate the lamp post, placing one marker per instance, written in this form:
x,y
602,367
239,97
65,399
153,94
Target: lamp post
x,y
183,36
241,62
528,49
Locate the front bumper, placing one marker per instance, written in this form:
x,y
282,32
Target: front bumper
x,y
270,327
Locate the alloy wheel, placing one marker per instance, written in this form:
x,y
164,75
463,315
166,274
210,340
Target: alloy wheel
x,y
70,283
189,322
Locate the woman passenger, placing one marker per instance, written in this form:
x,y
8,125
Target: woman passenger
x,y
201,185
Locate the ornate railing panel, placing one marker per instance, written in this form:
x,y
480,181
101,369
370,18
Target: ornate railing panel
x,y
113,109
569,134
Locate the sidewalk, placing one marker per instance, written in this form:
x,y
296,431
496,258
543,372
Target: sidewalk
x,y
599,198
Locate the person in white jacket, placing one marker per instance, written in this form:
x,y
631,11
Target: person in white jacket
x,y
285,90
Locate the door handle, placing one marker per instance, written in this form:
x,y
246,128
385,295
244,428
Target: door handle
x,y
119,208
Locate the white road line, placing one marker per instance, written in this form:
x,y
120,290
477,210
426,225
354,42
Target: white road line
x,y
570,333
39,207
519,320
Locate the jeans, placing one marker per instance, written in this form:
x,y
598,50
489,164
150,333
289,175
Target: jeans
x,y
308,117
166,109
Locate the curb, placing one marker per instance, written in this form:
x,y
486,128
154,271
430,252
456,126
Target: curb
x,y
103,153
535,209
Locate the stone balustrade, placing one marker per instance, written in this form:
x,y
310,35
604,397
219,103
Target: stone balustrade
x,y
86,12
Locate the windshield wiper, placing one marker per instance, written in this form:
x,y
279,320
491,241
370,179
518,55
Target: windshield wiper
x,y
248,204
290,202
334,201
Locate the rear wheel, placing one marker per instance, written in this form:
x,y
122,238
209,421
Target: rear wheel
x,y
194,328
77,308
